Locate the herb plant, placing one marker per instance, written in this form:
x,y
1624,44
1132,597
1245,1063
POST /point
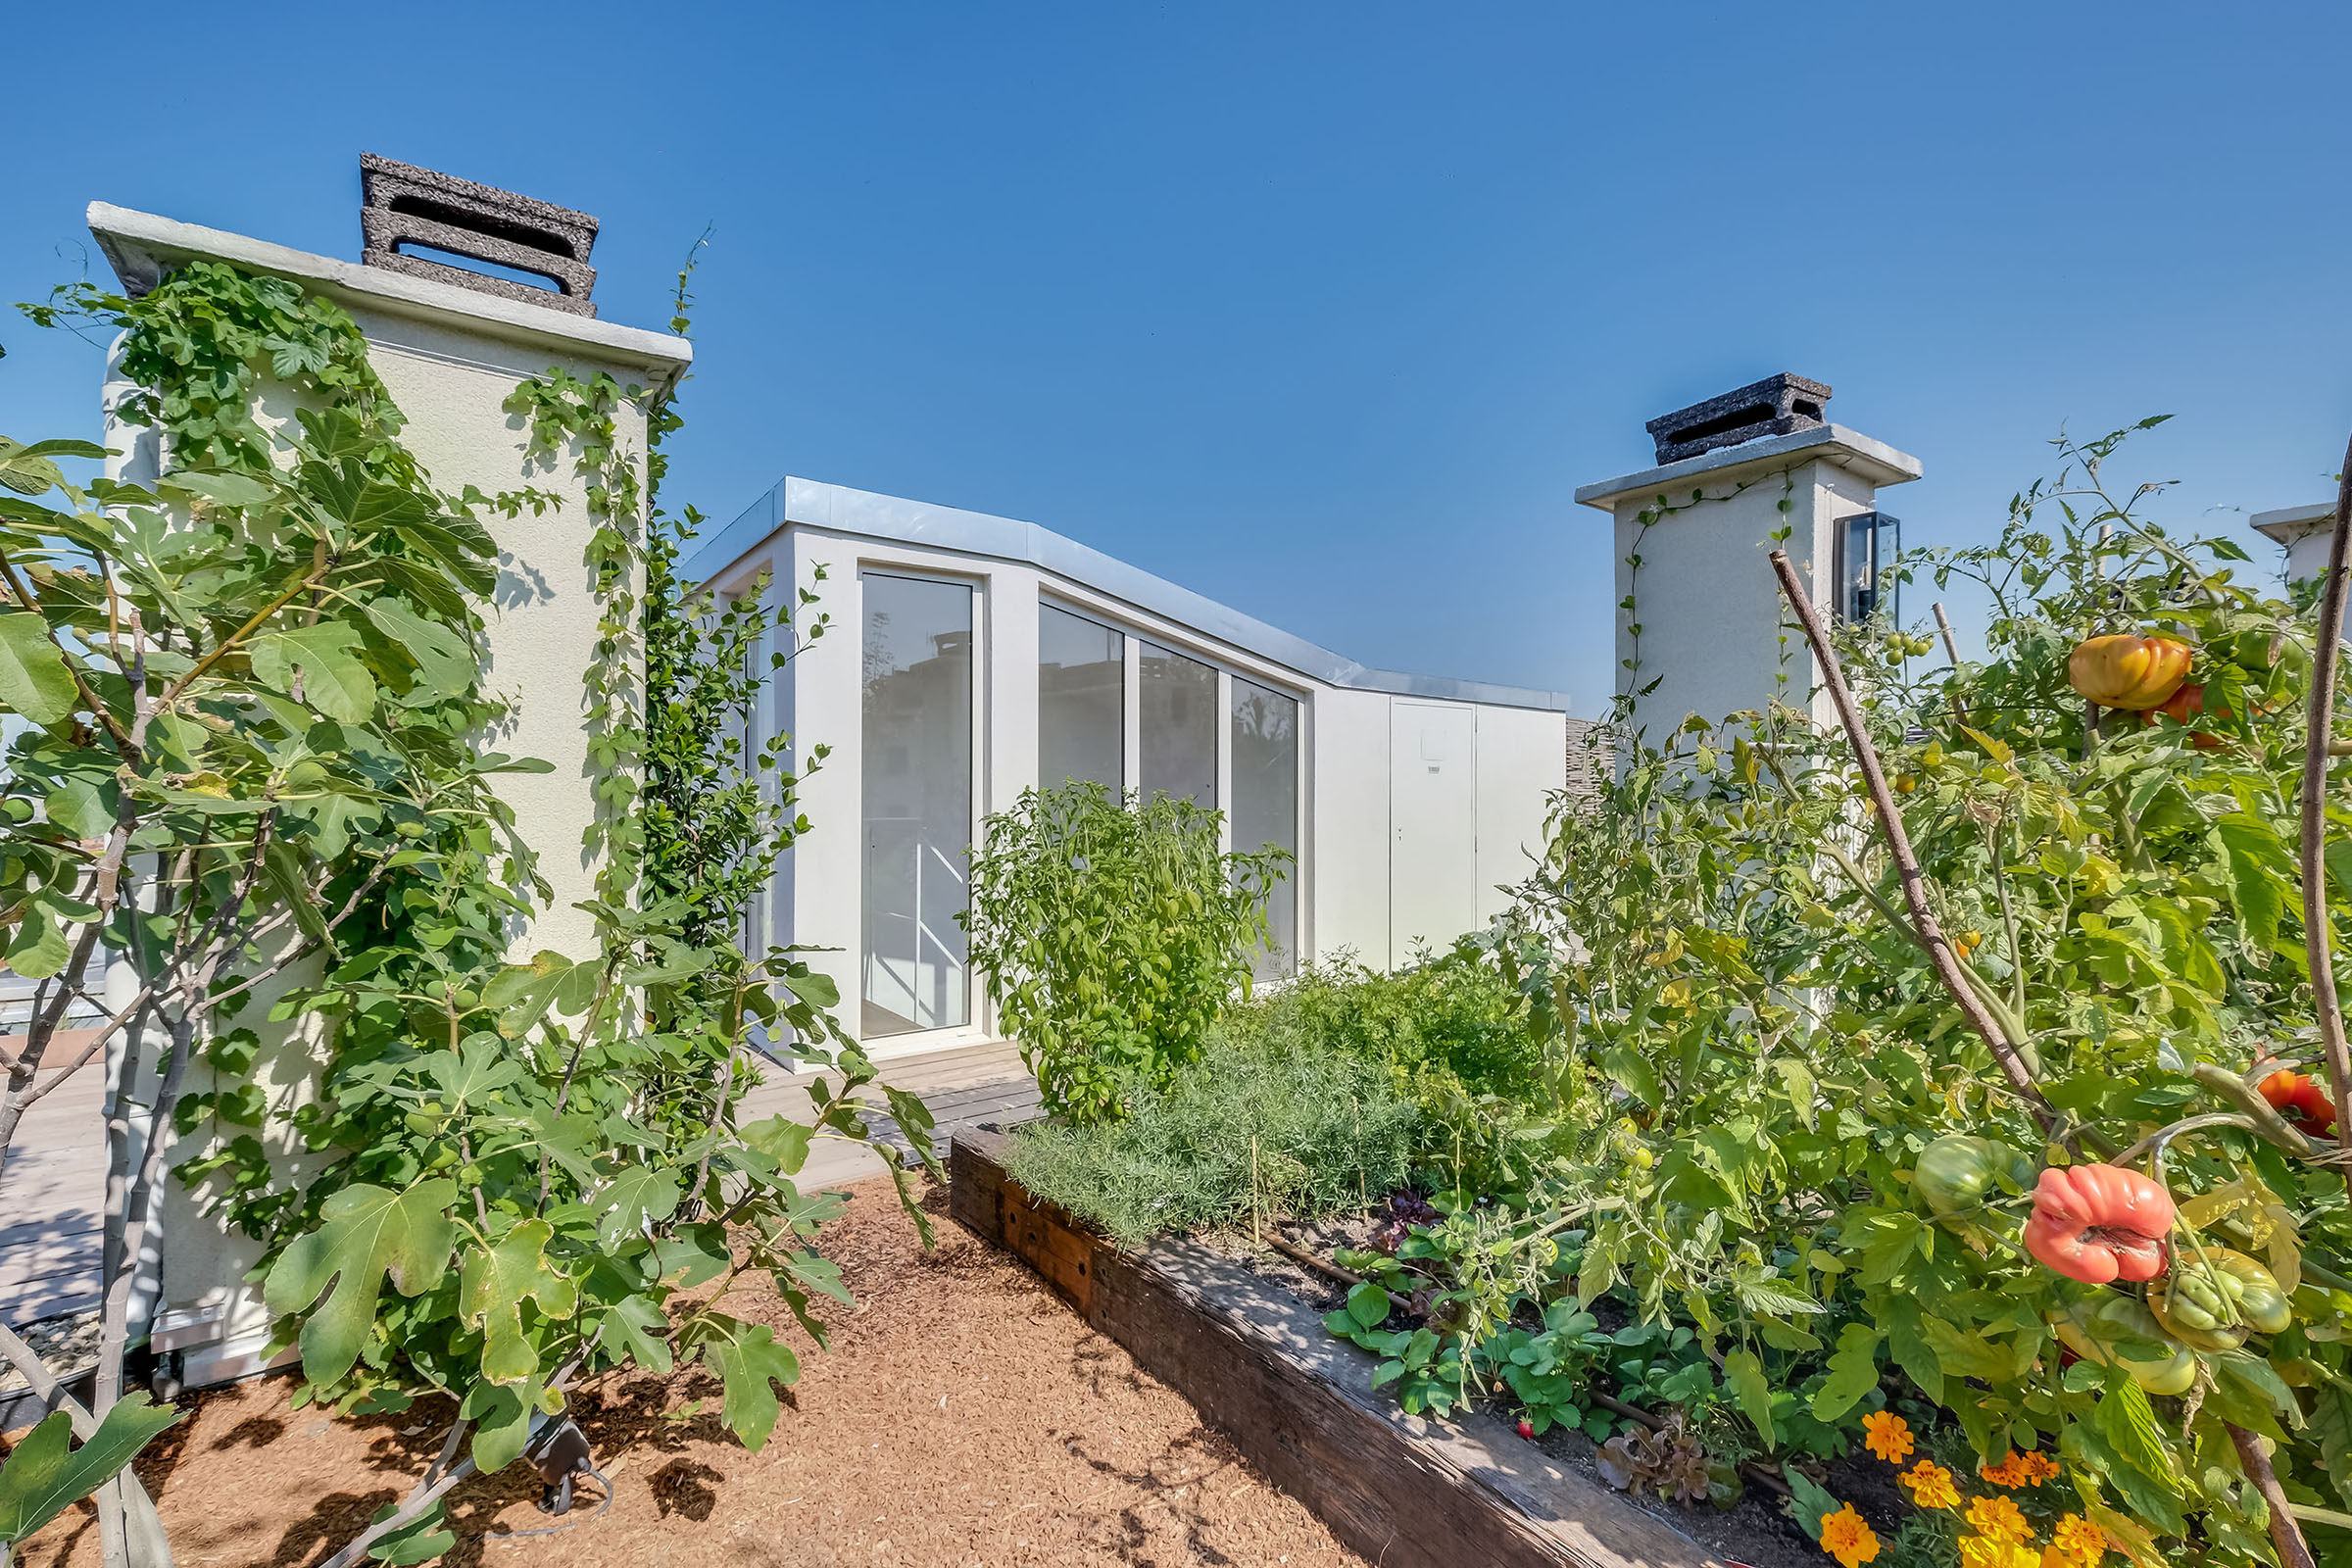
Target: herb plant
x,y
1111,935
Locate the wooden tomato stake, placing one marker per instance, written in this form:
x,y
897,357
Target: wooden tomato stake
x,y
2286,1535
2319,938
1899,847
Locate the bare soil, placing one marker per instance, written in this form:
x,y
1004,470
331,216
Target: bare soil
x,y
963,1417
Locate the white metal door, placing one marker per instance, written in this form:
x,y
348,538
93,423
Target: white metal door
x,y
1433,821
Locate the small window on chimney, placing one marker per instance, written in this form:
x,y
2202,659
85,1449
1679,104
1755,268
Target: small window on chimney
x,y
1808,407
1868,548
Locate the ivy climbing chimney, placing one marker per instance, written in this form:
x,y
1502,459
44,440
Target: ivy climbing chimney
x,y
1700,617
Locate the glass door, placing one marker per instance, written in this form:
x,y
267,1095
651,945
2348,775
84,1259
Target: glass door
x,y
917,736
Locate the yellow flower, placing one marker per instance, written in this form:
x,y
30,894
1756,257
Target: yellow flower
x,y
2082,1542
1931,1486
1995,1551
1845,1536
1888,1435
1999,1516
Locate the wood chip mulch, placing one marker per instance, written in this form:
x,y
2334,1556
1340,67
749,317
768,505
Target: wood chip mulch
x,y
964,1417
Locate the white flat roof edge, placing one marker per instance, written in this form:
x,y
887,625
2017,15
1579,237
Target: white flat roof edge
x,y
866,515
1874,461
141,245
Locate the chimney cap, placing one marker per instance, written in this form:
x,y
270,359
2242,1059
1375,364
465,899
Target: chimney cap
x,y
1778,405
402,204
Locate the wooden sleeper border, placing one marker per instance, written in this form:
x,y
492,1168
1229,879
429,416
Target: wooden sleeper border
x,y
1402,1492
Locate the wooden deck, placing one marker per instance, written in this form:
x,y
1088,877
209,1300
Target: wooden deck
x,y
963,1087
51,1194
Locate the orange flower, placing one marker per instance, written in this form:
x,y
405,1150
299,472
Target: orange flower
x,y
1888,1435
2022,1470
1845,1536
1931,1486
1999,1516
2082,1542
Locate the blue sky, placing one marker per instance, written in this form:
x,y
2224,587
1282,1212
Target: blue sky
x,y
1322,310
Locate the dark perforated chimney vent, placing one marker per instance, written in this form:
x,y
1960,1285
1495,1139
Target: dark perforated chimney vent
x,y
407,213
1778,405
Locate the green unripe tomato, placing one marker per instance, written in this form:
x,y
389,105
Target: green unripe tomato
x,y
1956,1174
2097,1330
2213,1302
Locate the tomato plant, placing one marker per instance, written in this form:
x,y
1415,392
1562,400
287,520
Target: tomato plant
x,y
1749,970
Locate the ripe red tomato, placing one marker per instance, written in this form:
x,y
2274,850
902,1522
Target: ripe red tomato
x,y
2300,1100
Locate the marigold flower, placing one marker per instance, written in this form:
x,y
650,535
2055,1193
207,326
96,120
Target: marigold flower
x,y
1996,1551
2022,1470
2004,1474
1999,1516
1886,1435
1931,1486
2082,1542
1846,1537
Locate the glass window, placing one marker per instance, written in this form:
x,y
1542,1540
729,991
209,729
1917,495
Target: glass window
x,y
1179,726
1081,701
917,763
1266,803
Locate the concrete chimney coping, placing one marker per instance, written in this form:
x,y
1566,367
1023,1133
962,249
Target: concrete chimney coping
x,y
1834,443
142,246
2290,523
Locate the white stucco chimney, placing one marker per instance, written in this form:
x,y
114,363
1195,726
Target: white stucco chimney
x,y
2303,532
1701,627
451,349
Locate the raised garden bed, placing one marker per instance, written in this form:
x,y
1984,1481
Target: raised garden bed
x,y
1257,1361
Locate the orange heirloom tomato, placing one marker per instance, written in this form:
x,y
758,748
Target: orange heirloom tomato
x,y
2127,671
2099,1223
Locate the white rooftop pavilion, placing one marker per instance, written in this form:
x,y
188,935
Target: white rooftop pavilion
x,y
974,656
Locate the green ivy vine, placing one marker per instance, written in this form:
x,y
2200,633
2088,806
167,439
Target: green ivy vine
x,y
250,774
